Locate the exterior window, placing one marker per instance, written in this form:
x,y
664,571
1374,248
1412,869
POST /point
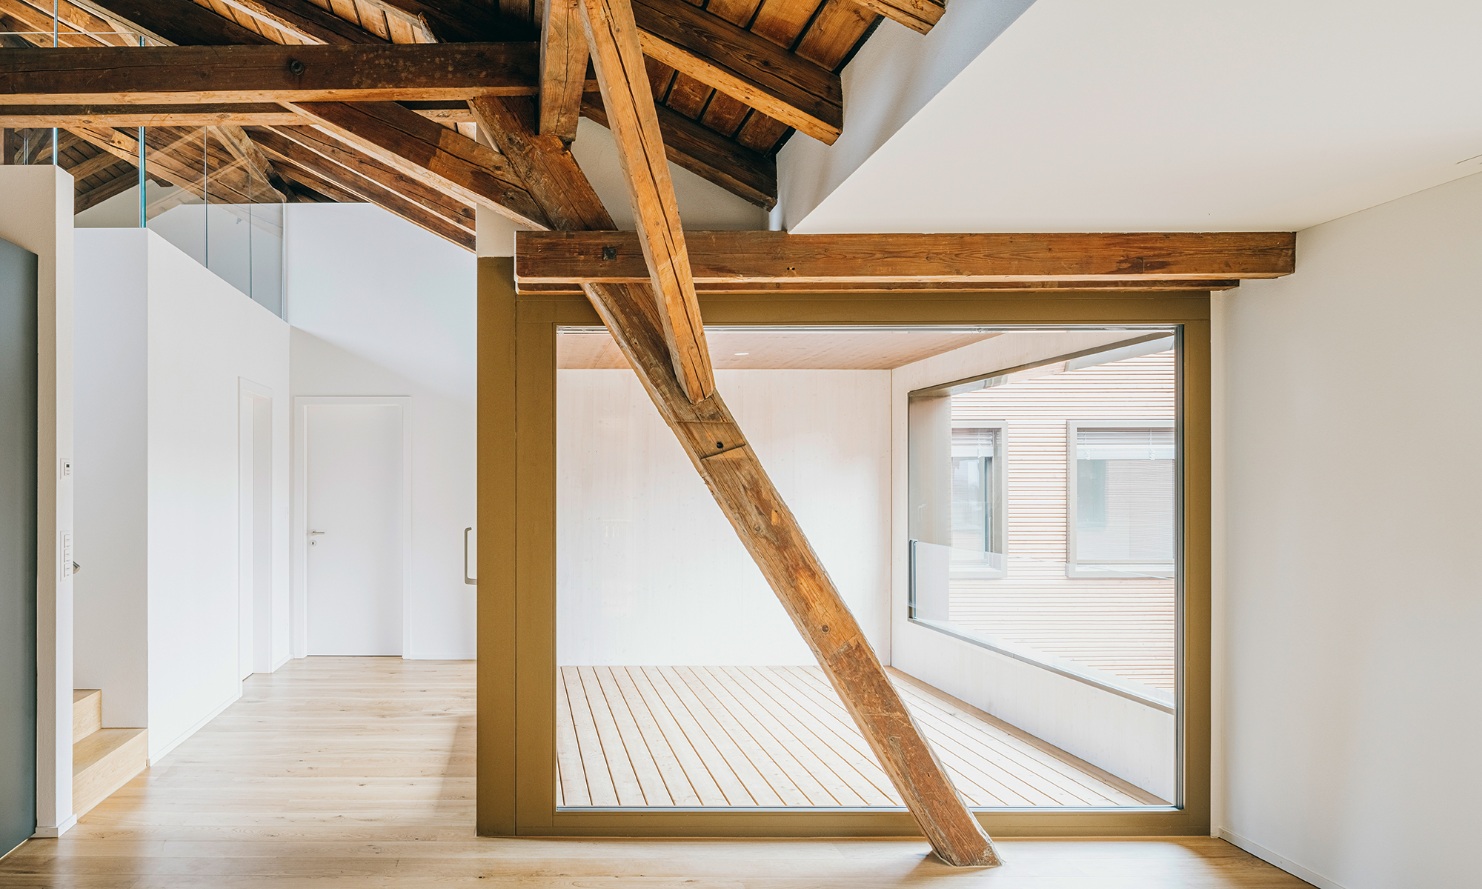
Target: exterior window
x,y
975,490
1121,498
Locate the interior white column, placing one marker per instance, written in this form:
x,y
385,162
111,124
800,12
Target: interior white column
x,y
37,215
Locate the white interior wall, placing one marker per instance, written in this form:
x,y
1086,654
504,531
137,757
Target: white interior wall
x,y
205,337
1126,737
648,569
892,77
112,332
382,308
37,216
1349,614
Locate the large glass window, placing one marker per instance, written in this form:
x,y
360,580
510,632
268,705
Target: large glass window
x,y
1065,554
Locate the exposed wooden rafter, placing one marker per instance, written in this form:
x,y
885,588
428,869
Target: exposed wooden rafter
x,y
741,259
228,184
780,84
745,173
313,149
918,15
360,183
436,155
613,39
563,68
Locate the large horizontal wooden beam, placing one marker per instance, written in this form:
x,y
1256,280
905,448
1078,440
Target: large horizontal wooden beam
x,y
273,73
735,258
743,65
924,288
210,114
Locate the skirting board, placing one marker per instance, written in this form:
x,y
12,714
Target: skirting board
x,y
1286,864
167,749
51,833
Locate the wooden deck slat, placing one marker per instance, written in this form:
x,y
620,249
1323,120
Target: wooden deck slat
x,y
779,736
597,762
758,787
708,771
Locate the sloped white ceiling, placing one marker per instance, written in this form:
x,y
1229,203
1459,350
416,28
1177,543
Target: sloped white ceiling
x,y
1124,115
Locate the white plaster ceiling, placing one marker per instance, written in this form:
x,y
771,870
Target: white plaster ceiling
x,y
1125,115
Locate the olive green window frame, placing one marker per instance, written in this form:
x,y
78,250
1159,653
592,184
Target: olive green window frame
x,y
516,698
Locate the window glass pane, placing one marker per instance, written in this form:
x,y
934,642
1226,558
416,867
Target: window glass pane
x,y
1124,496
972,488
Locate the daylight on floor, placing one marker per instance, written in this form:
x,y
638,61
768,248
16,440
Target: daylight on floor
x,y
537,442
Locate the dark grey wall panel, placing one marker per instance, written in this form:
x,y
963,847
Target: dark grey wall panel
x,y
17,545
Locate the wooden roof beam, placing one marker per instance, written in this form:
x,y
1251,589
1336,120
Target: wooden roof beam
x,y
740,485
612,36
262,114
435,155
563,68
162,165
311,148
918,15
750,175
271,73
111,187
340,182
743,65
778,258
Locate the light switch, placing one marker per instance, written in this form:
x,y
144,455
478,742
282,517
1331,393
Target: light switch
x,y
66,467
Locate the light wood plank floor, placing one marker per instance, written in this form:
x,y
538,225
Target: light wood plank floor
x,y
357,774
779,736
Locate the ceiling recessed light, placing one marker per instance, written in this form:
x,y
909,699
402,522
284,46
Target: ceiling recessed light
x,y
742,354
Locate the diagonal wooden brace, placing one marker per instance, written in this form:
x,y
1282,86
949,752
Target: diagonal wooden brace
x,y
776,542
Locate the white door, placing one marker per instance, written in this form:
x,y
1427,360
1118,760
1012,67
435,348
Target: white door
x,y
354,492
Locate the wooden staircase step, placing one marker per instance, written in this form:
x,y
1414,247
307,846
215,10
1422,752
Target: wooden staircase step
x,y
104,761
87,712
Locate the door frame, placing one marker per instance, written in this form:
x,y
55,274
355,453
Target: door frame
x,y
299,526
516,743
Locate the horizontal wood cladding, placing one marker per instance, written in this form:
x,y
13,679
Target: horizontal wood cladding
x,y
778,257
193,74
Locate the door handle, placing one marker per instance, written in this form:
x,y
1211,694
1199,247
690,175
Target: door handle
x,y
312,535
471,581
